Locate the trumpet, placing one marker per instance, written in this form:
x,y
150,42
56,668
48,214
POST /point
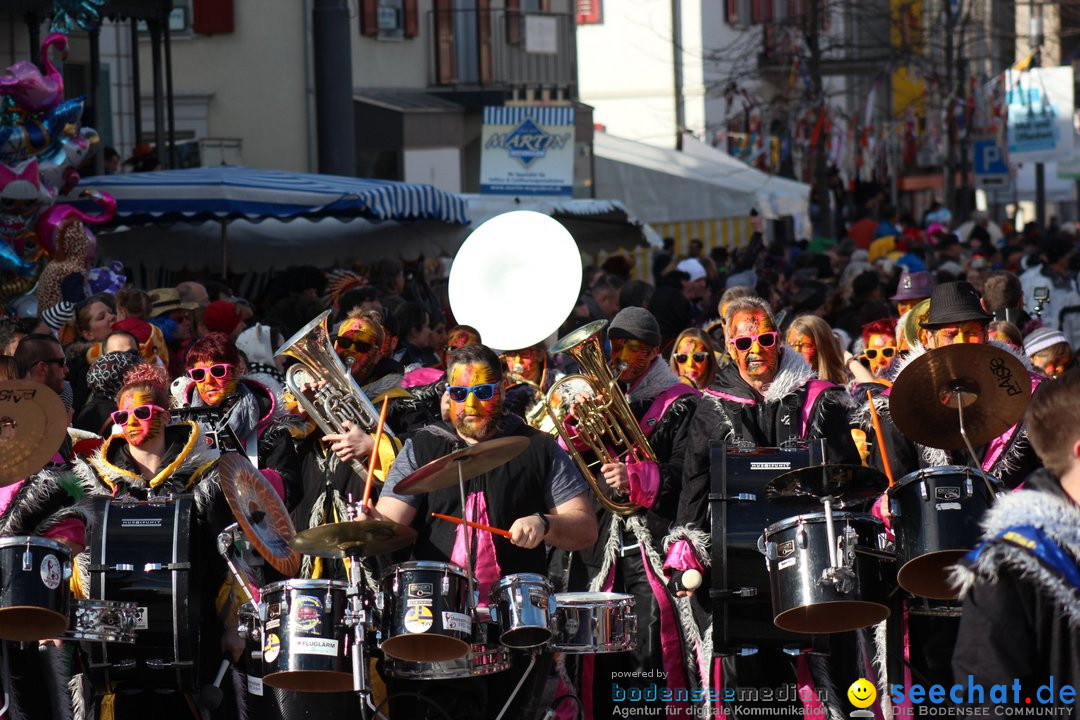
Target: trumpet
x,y
337,399
605,422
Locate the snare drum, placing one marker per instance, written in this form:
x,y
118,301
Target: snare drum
x,y
485,657
594,622
426,612
304,636
34,591
935,516
522,607
103,621
809,595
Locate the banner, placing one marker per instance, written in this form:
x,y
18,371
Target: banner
x,y
1040,104
527,151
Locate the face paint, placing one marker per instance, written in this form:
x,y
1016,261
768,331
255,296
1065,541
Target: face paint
x,y
690,367
883,349
527,364
759,363
902,306
213,390
634,356
136,431
972,331
360,361
804,345
458,337
1050,365
474,418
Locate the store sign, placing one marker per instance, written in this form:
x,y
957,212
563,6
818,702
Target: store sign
x,y
1040,104
527,151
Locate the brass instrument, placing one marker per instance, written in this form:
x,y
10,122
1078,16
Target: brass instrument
x,y
339,399
605,422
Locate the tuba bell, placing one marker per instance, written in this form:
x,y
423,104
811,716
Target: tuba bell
x,y
604,422
339,400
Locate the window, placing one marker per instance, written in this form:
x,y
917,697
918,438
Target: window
x,y
389,19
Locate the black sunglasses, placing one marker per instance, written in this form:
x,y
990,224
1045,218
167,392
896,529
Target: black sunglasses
x,y
219,371
745,342
698,357
59,362
885,352
359,345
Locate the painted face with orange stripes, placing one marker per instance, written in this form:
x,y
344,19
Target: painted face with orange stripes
x,y
475,406
143,419
359,346
754,345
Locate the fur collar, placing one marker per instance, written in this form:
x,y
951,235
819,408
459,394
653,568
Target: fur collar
x,y
189,463
794,372
658,378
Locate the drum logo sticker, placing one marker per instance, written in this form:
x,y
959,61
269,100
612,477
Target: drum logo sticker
x,y
142,622
255,685
419,590
456,622
307,614
273,616
947,493
418,619
785,564
51,572
314,646
271,648
785,548
760,465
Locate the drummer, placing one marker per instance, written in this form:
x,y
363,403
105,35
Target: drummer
x,y
539,496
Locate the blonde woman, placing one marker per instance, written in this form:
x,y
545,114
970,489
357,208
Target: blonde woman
x,y
693,358
811,337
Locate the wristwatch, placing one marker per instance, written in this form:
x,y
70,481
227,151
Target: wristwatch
x,y
547,523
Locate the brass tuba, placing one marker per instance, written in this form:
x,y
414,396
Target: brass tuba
x,y
339,400
605,422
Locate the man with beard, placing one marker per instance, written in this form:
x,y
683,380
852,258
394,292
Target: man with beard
x,y
528,378
627,558
538,496
767,397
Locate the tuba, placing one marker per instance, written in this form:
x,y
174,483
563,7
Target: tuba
x,y
339,400
605,423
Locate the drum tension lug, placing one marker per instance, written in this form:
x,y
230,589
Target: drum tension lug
x,y
736,498
728,594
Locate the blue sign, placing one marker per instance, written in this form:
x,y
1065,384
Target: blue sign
x,y
528,150
990,158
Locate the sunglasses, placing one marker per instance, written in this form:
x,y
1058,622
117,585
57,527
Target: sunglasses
x,y
872,353
458,393
680,358
219,371
745,342
359,345
58,362
143,412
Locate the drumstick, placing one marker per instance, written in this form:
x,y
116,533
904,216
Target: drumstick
x,y
470,523
880,439
375,452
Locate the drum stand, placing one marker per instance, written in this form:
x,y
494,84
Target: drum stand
x,y
357,620
839,572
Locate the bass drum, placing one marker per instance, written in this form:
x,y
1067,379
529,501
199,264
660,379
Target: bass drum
x,y
142,553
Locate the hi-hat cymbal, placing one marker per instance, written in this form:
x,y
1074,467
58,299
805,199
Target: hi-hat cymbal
x,y
260,512
33,423
359,537
847,483
473,460
992,384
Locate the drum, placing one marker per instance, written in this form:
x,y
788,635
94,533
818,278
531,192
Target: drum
x,y
809,595
485,657
935,515
143,553
522,607
304,636
103,621
34,590
425,613
594,622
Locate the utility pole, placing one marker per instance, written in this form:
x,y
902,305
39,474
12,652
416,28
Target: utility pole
x,y
949,181
1035,30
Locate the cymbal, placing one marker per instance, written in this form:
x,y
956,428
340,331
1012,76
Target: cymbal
x,y
33,423
993,385
473,460
359,537
260,512
847,483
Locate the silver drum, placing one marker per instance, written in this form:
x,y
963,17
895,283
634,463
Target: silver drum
x,y
594,622
523,606
485,657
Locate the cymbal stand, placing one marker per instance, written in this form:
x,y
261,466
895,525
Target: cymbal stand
x,y
959,393
357,619
469,563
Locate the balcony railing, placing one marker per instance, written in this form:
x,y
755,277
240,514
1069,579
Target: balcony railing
x,y
501,49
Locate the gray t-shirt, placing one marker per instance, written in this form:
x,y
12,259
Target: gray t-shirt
x,y
562,483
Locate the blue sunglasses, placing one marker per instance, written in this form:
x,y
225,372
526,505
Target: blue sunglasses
x,y
458,393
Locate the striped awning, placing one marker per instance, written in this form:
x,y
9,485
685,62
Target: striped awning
x,y
228,192
730,233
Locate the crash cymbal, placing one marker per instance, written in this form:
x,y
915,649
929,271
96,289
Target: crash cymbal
x,y
474,460
359,537
260,512
995,392
846,483
33,423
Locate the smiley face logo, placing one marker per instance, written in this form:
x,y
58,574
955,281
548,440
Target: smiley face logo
x,y
862,693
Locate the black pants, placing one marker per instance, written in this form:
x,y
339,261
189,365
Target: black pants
x,y
38,688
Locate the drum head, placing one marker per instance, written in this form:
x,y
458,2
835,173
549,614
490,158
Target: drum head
x,y
425,648
316,681
525,637
928,575
831,617
26,623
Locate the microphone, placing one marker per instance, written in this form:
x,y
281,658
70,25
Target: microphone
x,y
684,580
210,695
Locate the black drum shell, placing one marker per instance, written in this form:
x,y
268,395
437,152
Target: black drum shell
x,y
30,610
421,584
304,644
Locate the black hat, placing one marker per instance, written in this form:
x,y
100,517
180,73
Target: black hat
x,y
636,323
955,302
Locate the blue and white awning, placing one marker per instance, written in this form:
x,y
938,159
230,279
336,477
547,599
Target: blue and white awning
x,y
227,192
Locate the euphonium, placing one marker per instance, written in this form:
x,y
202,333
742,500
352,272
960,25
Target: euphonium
x,y
604,421
339,400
